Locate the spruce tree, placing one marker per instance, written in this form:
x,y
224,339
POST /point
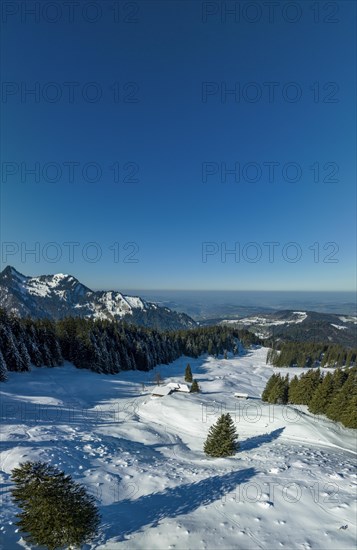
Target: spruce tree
x,y
302,389
188,373
339,378
268,387
302,360
308,385
195,387
56,511
293,393
222,438
210,347
322,395
343,406
3,369
274,358
348,415
280,390
349,358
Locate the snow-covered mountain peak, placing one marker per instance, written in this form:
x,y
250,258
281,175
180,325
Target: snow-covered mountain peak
x,y
10,273
62,295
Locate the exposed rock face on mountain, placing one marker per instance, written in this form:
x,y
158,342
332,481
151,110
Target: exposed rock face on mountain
x,y
58,296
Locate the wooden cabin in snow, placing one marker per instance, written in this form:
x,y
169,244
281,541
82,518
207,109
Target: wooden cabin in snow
x,y
241,395
178,387
161,391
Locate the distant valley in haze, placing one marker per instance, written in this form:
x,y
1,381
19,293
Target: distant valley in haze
x,y
208,304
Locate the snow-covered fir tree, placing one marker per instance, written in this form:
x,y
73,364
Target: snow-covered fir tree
x,y
222,438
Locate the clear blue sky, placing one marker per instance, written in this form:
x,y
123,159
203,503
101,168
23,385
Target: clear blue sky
x,y
162,54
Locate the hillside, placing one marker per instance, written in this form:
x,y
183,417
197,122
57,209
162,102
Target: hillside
x,y
301,326
291,485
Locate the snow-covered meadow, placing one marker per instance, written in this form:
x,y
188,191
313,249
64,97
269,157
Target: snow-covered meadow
x,y
291,485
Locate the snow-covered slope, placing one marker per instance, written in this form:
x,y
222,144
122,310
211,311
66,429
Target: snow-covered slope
x,y
291,486
57,296
301,326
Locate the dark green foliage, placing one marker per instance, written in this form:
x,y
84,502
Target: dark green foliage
x,y
222,438
272,356
106,346
188,373
301,389
339,378
280,391
343,406
333,394
308,383
322,396
350,358
308,354
269,385
195,387
210,348
295,394
12,338
3,369
276,390
56,511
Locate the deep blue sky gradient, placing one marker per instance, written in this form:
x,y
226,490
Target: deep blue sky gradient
x,y
168,133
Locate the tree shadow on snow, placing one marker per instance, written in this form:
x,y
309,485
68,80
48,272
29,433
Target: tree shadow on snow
x,y
258,440
16,410
150,509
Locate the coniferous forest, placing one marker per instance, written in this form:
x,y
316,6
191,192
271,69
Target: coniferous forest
x,y
106,346
307,354
332,394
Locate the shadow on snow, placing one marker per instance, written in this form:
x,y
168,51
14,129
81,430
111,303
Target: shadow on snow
x,y
258,440
132,515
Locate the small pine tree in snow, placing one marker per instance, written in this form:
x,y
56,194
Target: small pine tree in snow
x,y
188,373
195,387
56,511
222,438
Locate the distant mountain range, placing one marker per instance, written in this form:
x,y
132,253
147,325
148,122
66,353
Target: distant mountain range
x,y
303,326
58,296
